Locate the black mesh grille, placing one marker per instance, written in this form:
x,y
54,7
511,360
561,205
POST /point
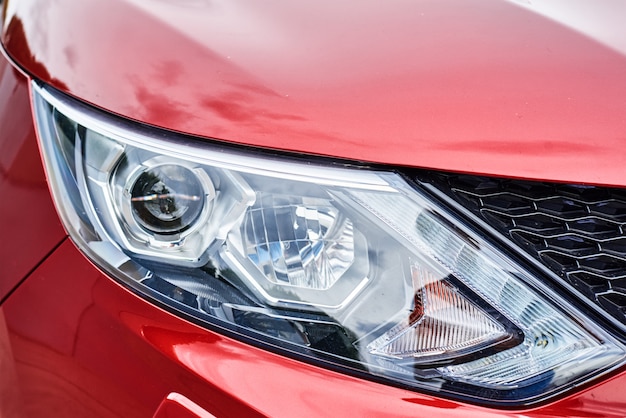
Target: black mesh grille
x,y
577,231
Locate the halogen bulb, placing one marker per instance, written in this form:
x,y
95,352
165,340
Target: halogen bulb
x,y
301,252
295,243
167,199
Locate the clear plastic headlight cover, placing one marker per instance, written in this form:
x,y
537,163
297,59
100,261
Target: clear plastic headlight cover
x,y
341,265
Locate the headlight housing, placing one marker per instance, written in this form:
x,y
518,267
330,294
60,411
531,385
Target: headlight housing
x,y
344,265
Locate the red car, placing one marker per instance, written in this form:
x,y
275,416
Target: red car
x,y
292,209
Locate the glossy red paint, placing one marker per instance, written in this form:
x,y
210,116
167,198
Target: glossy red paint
x,y
176,405
30,226
360,83
485,86
90,347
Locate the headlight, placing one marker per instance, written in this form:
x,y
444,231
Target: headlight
x,y
350,266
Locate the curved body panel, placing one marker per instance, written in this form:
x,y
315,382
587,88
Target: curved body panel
x,y
483,86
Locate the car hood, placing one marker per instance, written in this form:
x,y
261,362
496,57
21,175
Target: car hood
x,y
495,87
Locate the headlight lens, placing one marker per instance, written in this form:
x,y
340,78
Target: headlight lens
x,y
350,266
166,199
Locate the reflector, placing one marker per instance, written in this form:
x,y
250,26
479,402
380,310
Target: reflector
x,y
299,250
298,242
